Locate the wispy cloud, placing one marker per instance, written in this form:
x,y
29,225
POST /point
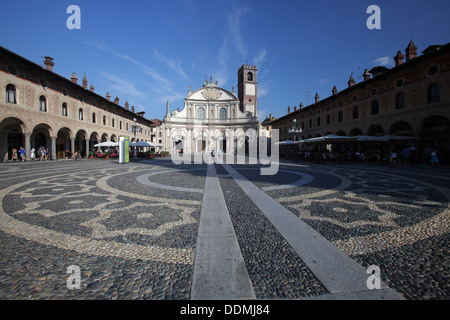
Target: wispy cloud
x,y
149,71
323,81
122,87
233,43
173,64
263,89
260,58
234,28
383,61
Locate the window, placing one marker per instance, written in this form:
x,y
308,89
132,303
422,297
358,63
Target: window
x,y
80,114
64,109
318,121
433,70
340,116
42,104
328,119
93,117
120,125
250,76
201,113
112,123
434,93
355,112
399,83
104,120
11,94
400,101
223,114
375,107
310,123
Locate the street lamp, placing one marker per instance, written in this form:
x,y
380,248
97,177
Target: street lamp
x,y
135,129
294,129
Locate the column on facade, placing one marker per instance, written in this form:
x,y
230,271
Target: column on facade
x,y
27,146
87,148
72,146
53,157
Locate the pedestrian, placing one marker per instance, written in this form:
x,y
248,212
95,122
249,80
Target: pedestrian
x,y
14,155
32,154
212,153
46,154
406,155
434,160
22,153
41,153
393,158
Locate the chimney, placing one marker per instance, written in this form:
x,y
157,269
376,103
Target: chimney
x,y
116,100
334,91
49,63
108,96
74,77
132,108
85,82
351,81
411,51
301,105
91,88
127,106
289,109
295,108
366,74
398,58
316,98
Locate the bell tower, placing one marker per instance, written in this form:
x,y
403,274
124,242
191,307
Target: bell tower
x,y
247,89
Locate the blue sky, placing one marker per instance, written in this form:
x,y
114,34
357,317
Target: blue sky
x,y
148,52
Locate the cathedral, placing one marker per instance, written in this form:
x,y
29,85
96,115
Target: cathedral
x,y
211,113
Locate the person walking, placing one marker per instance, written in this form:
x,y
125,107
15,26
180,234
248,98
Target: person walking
x,y
434,160
393,158
14,155
41,153
32,154
22,153
406,155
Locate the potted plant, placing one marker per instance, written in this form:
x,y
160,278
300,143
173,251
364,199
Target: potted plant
x,y
107,154
91,154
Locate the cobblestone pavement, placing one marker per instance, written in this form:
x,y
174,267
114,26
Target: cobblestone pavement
x,y
132,229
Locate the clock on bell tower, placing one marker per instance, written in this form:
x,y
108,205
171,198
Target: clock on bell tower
x,y
247,89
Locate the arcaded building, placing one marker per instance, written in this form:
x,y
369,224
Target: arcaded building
x,y
410,99
39,107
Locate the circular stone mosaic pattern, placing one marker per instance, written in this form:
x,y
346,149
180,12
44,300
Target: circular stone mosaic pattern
x,y
362,212
87,214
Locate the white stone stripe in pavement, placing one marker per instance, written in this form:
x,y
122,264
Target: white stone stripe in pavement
x,y
332,267
219,268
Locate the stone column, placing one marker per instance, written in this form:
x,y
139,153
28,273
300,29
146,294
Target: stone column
x,y
53,148
27,146
72,146
87,148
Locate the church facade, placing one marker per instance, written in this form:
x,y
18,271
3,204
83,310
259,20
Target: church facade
x,y
214,118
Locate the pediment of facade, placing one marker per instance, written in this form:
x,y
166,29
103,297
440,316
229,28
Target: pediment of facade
x,y
212,93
